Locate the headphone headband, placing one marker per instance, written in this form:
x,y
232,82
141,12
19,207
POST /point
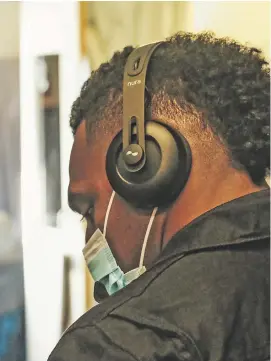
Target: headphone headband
x,y
134,101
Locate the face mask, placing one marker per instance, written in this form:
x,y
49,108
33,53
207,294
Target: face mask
x,y
102,264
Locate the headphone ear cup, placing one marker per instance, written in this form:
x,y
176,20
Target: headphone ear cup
x,y
164,174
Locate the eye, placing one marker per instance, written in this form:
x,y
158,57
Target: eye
x,y
88,214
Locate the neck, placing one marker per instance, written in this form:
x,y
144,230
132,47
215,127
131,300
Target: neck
x,y
202,194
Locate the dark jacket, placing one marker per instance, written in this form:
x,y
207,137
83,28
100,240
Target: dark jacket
x,y
206,297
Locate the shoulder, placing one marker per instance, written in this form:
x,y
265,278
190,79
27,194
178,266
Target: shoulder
x,y
124,339
172,308
89,343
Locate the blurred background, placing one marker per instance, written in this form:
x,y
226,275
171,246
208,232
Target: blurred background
x,y
47,51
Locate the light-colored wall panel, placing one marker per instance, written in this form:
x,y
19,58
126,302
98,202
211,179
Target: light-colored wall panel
x,y
9,29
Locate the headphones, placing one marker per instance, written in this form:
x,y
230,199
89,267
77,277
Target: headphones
x,y
148,163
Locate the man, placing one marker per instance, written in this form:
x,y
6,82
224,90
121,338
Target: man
x,y
205,292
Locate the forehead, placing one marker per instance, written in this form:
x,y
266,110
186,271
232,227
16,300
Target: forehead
x,y
87,162
88,154
79,154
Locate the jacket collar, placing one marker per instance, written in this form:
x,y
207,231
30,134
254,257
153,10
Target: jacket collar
x,y
244,219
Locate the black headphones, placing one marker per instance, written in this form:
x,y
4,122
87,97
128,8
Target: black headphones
x,y
148,163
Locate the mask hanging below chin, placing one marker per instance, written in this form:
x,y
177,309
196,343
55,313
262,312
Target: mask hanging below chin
x,y
106,273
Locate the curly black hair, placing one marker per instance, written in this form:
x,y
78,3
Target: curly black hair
x,y
224,81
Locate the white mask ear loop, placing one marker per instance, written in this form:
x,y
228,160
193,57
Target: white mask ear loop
x,y
107,212
143,250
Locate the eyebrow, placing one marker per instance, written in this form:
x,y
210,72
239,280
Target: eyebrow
x,y
80,202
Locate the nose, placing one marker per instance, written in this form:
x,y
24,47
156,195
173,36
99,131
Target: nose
x,y
80,202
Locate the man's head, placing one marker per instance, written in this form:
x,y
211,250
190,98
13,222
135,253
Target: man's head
x,y
216,93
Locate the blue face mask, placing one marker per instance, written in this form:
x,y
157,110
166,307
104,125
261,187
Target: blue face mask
x,y
102,264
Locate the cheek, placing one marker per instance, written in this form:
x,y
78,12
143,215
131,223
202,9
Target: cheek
x,y
102,201
102,190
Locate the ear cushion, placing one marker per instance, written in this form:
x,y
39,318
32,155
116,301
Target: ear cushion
x,y
164,174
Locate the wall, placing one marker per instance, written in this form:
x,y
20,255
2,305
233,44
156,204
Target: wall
x,y
9,114
113,25
9,29
49,28
246,21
